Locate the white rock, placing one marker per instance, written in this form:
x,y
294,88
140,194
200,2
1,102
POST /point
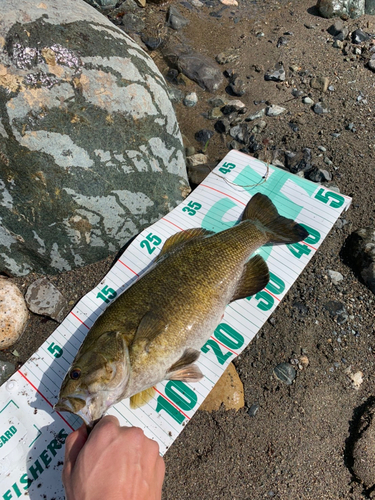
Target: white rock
x,y
357,379
307,100
335,276
197,159
274,110
13,313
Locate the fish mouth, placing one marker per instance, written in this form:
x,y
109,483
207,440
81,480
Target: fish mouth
x,y
77,406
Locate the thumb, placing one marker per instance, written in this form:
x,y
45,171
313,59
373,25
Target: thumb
x,y
73,445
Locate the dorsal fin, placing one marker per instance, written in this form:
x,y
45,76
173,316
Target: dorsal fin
x,y
179,239
279,229
254,278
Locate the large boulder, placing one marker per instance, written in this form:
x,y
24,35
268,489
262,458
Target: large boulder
x,y
90,149
359,253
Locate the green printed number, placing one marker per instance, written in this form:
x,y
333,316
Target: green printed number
x,y
227,167
314,235
181,397
220,355
150,243
192,208
299,249
55,349
334,200
107,294
265,301
227,336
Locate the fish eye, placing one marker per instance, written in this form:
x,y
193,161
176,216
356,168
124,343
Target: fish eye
x,y
75,374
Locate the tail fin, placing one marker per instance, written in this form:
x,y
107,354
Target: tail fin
x,y
279,229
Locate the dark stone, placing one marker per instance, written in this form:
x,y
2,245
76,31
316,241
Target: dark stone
x,y
277,74
370,7
337,311
252,411
222,126
359,253
363,447
238,132
151,42
298,162
320,108
294,126
359,36
203,135
198,173
300,308
282,41
195,66
237,87
318,175
336,27
132,22
175,19
285,372
254,145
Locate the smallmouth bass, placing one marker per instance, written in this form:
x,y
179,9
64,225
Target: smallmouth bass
x,y
156,328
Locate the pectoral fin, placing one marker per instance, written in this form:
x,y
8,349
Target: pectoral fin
x,y
254,278
179,239
150,327
141,398
190,373
184,369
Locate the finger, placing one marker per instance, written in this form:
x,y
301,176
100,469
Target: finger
x,y
104,431
74,444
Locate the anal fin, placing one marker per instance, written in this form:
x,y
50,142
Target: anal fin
x,y
254,278
141,398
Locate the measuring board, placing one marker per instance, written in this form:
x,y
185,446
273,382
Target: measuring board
x,y
32,436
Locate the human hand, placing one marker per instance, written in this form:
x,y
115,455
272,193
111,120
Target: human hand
x,y
112,463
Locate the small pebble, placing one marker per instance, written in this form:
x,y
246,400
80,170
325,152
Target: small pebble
x,y
335,276
44,298
320,108
13,313
285,372
252,411
190,100
6,370
308,100
197,159
274,110
203,135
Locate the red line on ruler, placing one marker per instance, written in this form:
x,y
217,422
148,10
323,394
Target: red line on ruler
x,y
225,194
226,347
45,399
274,296
172,403
71,312
304,242
173,224
127,267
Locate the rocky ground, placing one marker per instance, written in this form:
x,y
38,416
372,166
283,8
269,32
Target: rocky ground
x,y
301,440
